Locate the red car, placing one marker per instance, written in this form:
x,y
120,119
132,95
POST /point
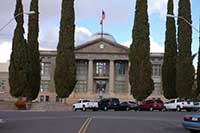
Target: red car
x,y
151,105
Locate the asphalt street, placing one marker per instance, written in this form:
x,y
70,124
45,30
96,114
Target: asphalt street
x,y
93,122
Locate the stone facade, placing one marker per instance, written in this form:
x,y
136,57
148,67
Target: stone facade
x,y
102,71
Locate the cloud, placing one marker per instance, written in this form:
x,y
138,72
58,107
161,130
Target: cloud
x,y
82,34
86,11
157,6
5,50
160,7
154,46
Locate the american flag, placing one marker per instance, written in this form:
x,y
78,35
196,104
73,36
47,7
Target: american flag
x,y
103,15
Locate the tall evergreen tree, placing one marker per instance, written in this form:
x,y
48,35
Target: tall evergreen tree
x,y
65,71
33,52
185,69
139,55
198,68
18,59
169,63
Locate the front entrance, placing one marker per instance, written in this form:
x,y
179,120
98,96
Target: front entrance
x,y
101,86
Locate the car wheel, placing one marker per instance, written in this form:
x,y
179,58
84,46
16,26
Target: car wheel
x,y
151,109
74,109
178,108
164,109
105,108
127,108
84,109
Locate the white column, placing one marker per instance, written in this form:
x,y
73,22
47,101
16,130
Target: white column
x,y
90,76
111,76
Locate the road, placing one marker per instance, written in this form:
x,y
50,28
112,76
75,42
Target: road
x,y
93,122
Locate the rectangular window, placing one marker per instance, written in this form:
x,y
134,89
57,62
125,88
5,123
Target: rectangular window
x,y
58,99
120,68
47,99
81,86
44,85
41,98
156,70
2,84
81,68
45,68
101,68
120,87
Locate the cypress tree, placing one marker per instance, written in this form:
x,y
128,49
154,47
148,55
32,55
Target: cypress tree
x,y
169,63
33,52
139,55
18,59
198,71
65,72
185,69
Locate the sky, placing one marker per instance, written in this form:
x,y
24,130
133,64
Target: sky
x,y
119,18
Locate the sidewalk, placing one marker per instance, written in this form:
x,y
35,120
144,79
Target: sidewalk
x,y
41,107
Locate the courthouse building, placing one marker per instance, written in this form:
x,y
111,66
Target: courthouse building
x,y
102,71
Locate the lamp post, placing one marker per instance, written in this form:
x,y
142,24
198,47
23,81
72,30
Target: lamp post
x,y
180,17
26,13
198,31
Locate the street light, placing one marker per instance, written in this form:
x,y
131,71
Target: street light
x,y
180,17
26,13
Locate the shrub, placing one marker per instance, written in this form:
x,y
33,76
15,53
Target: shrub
x,y
21,104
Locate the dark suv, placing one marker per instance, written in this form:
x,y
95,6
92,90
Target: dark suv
x,y
108,103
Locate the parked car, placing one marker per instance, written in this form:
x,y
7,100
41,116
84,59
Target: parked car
x,y
196,106
108,103
133,105
154,104
123,106
192,123
85,104
179,104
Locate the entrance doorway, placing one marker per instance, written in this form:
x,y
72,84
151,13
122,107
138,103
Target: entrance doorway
x,y
100,86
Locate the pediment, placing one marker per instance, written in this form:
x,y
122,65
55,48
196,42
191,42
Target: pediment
x,y
101,46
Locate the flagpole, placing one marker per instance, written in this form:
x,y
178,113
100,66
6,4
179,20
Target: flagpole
x,y
102,30
101,22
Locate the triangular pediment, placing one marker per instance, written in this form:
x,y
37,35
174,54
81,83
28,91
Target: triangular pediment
x,y
101,46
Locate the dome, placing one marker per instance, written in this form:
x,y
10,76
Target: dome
x,y
105,36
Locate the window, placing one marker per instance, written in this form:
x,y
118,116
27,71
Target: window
x,y
45,68
44,86
58,99
120,87
2,84
81,86
81,68
120,68
41,98
101,69
156,70
172,101
47,99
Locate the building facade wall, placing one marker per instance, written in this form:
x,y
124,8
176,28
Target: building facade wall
x,y
102,71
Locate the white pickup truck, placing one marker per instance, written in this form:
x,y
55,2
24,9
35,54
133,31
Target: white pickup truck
x,y
84,104
179,104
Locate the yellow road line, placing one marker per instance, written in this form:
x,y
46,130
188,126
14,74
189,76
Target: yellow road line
x,y
85,125
84,130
